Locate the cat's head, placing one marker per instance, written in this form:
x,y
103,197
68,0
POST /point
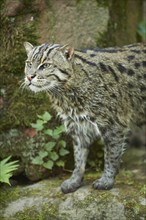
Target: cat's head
x,y
47,66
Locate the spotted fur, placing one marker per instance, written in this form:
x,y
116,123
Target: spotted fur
x,y
97,93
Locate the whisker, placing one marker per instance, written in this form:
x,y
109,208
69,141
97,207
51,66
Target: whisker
x,y
22,84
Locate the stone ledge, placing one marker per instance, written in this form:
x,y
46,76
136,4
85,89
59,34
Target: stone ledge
x,y
45,201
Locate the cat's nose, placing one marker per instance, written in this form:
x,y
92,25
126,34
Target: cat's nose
x,y
30,77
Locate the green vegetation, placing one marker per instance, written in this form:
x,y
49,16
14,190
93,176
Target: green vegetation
x,y
141,29
6,169
53,152
13,32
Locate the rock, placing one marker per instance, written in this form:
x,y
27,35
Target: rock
x,y
79,24
44,200
12,8
39,5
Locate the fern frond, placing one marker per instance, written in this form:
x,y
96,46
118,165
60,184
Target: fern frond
x,y
6,169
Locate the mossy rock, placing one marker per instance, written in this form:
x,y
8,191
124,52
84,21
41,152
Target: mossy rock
x,y
45,201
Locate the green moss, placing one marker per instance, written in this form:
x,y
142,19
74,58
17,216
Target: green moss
x,y
13,32
142,190
102,40
8,194
132,190
103,3
47,212
20,107
133,208
103,196
23,109
122,23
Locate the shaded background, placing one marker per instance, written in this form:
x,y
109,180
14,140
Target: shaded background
x,y
80,23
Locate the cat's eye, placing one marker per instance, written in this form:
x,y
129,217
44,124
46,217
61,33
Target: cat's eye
x,y
43,66
29,64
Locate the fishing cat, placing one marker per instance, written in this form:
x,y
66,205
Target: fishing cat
x,y
98,93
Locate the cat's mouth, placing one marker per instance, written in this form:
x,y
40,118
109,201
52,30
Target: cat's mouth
x,y
40,85
36,82
37,86
29,83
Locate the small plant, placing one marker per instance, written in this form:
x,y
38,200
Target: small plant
x,y
53,151
6,169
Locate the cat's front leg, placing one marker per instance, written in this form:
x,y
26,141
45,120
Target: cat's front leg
x,y
114,148
80,156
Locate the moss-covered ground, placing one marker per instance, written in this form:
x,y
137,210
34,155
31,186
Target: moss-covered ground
x,y
43,200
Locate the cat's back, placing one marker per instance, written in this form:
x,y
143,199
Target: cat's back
x,y
125,60
117,65
118,76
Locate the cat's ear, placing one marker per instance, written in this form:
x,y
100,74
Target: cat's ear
x,y
28,47
67,51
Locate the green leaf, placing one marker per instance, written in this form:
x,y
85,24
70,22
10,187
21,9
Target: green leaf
x,y
49,164
62,143
55,136
60,163
142,29
38,125
43,154
37,160
49,132
6,169
50,145
39,122
63,152
45,117
59,130
54,156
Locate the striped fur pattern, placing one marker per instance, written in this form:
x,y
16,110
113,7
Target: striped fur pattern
x,y
98,93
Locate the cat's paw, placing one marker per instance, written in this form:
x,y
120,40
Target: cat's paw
x,y
70,185
104,183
